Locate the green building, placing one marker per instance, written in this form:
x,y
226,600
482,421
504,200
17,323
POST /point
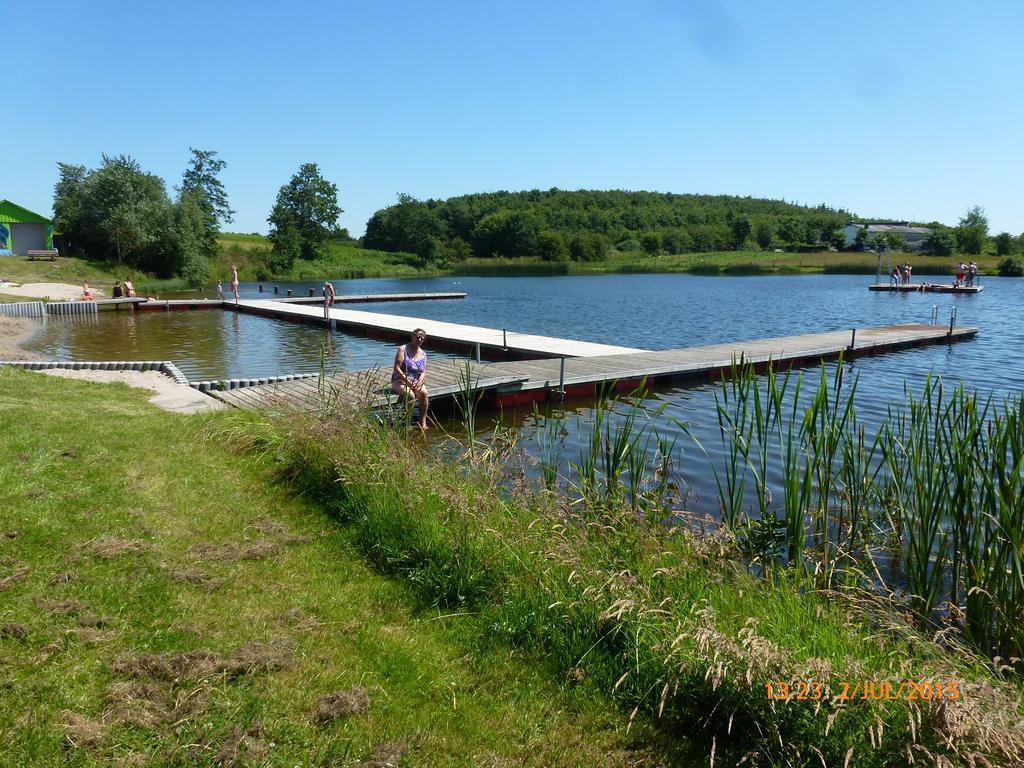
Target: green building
x,y
21,230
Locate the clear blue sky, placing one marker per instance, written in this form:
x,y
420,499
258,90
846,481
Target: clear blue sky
x,y
888,109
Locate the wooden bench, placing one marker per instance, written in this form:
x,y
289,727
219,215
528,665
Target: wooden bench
x,y
48,254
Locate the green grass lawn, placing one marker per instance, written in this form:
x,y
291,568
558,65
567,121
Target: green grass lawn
x,y
164,601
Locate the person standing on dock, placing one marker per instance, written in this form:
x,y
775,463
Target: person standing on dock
x,y
234,282
220,291
961,269
972,273
328,292
410,371
129,289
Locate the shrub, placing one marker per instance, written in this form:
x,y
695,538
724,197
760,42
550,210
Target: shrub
x,y
1011,267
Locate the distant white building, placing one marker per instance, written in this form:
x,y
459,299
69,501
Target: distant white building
x,y
912,236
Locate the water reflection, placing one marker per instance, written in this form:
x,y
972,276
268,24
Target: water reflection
x,y
210,344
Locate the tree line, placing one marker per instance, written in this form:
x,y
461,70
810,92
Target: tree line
x,y
559,225
120,212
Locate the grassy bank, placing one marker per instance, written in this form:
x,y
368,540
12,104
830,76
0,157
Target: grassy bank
x,y
165,602
664,622
346,260
339,261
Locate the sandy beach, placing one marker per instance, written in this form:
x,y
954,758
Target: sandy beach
x,y
15,331
166,394
51,291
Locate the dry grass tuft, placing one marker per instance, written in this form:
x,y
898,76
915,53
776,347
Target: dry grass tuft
x,y
233,551
108,548
351,701
13,578
385,756
16,631
251,658
197,577
83,733
238,747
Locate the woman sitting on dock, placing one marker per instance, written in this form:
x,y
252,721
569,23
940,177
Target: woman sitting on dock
x,y
410,371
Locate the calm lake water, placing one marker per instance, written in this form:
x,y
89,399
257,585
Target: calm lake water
x,y
643,311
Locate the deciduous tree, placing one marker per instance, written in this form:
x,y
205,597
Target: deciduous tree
x,y
305,213
972,231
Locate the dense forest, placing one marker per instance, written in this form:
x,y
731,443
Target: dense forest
x,y
582,225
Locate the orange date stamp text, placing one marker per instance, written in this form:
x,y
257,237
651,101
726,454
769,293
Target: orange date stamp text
x,y
864,690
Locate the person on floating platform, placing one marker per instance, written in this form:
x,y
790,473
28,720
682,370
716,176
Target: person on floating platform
x,y
972,274
234,282
907,270
410,372
87,293
220,291
897,275
961,269
118,292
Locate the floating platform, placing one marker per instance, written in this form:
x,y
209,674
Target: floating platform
x,y
925,288
491,342
371,298
147,304
513,383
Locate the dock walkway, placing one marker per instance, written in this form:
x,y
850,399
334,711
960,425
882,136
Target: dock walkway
x,y
441,334
517,382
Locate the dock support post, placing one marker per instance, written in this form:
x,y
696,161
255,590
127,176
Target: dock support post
x,y
311,294
952,319
561,378
476,348
275,290
261,287
935,314
853,338
289,292
504,340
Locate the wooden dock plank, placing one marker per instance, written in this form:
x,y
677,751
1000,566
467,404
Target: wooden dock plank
x,y
466,335
541,376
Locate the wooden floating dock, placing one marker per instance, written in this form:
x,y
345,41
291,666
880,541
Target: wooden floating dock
x,y
371,298
492,342
146,304
512,383
926,288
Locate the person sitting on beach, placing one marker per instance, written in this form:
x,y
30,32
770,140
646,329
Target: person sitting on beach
x,y
410,371
87,293
129,289
118,292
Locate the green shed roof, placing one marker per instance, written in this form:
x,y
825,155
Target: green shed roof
x,y
15,214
